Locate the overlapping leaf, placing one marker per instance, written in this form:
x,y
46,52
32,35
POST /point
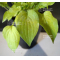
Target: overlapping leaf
x,y
27,24
11,12
43,5
49,23
12,37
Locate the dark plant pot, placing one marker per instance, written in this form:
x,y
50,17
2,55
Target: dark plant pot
x,y
34,42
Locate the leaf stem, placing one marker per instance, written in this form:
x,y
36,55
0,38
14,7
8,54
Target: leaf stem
x,y
13,22
8,7
47,7
5,8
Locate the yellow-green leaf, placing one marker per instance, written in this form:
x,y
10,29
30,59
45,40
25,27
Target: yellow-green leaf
x,y
27,24
43,5
11,12
12,37
49,23
4,4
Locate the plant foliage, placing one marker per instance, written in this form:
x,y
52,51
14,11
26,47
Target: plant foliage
x,y
27,22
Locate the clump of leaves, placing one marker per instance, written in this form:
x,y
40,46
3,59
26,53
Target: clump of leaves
x,y
27,22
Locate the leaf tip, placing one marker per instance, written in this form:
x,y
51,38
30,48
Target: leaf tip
x,y
2,21
13,50
53,42
29,44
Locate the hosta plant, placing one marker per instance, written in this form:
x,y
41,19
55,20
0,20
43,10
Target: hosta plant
x,y
27,20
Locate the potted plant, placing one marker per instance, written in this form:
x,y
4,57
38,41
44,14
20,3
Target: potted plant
x,y
27,21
